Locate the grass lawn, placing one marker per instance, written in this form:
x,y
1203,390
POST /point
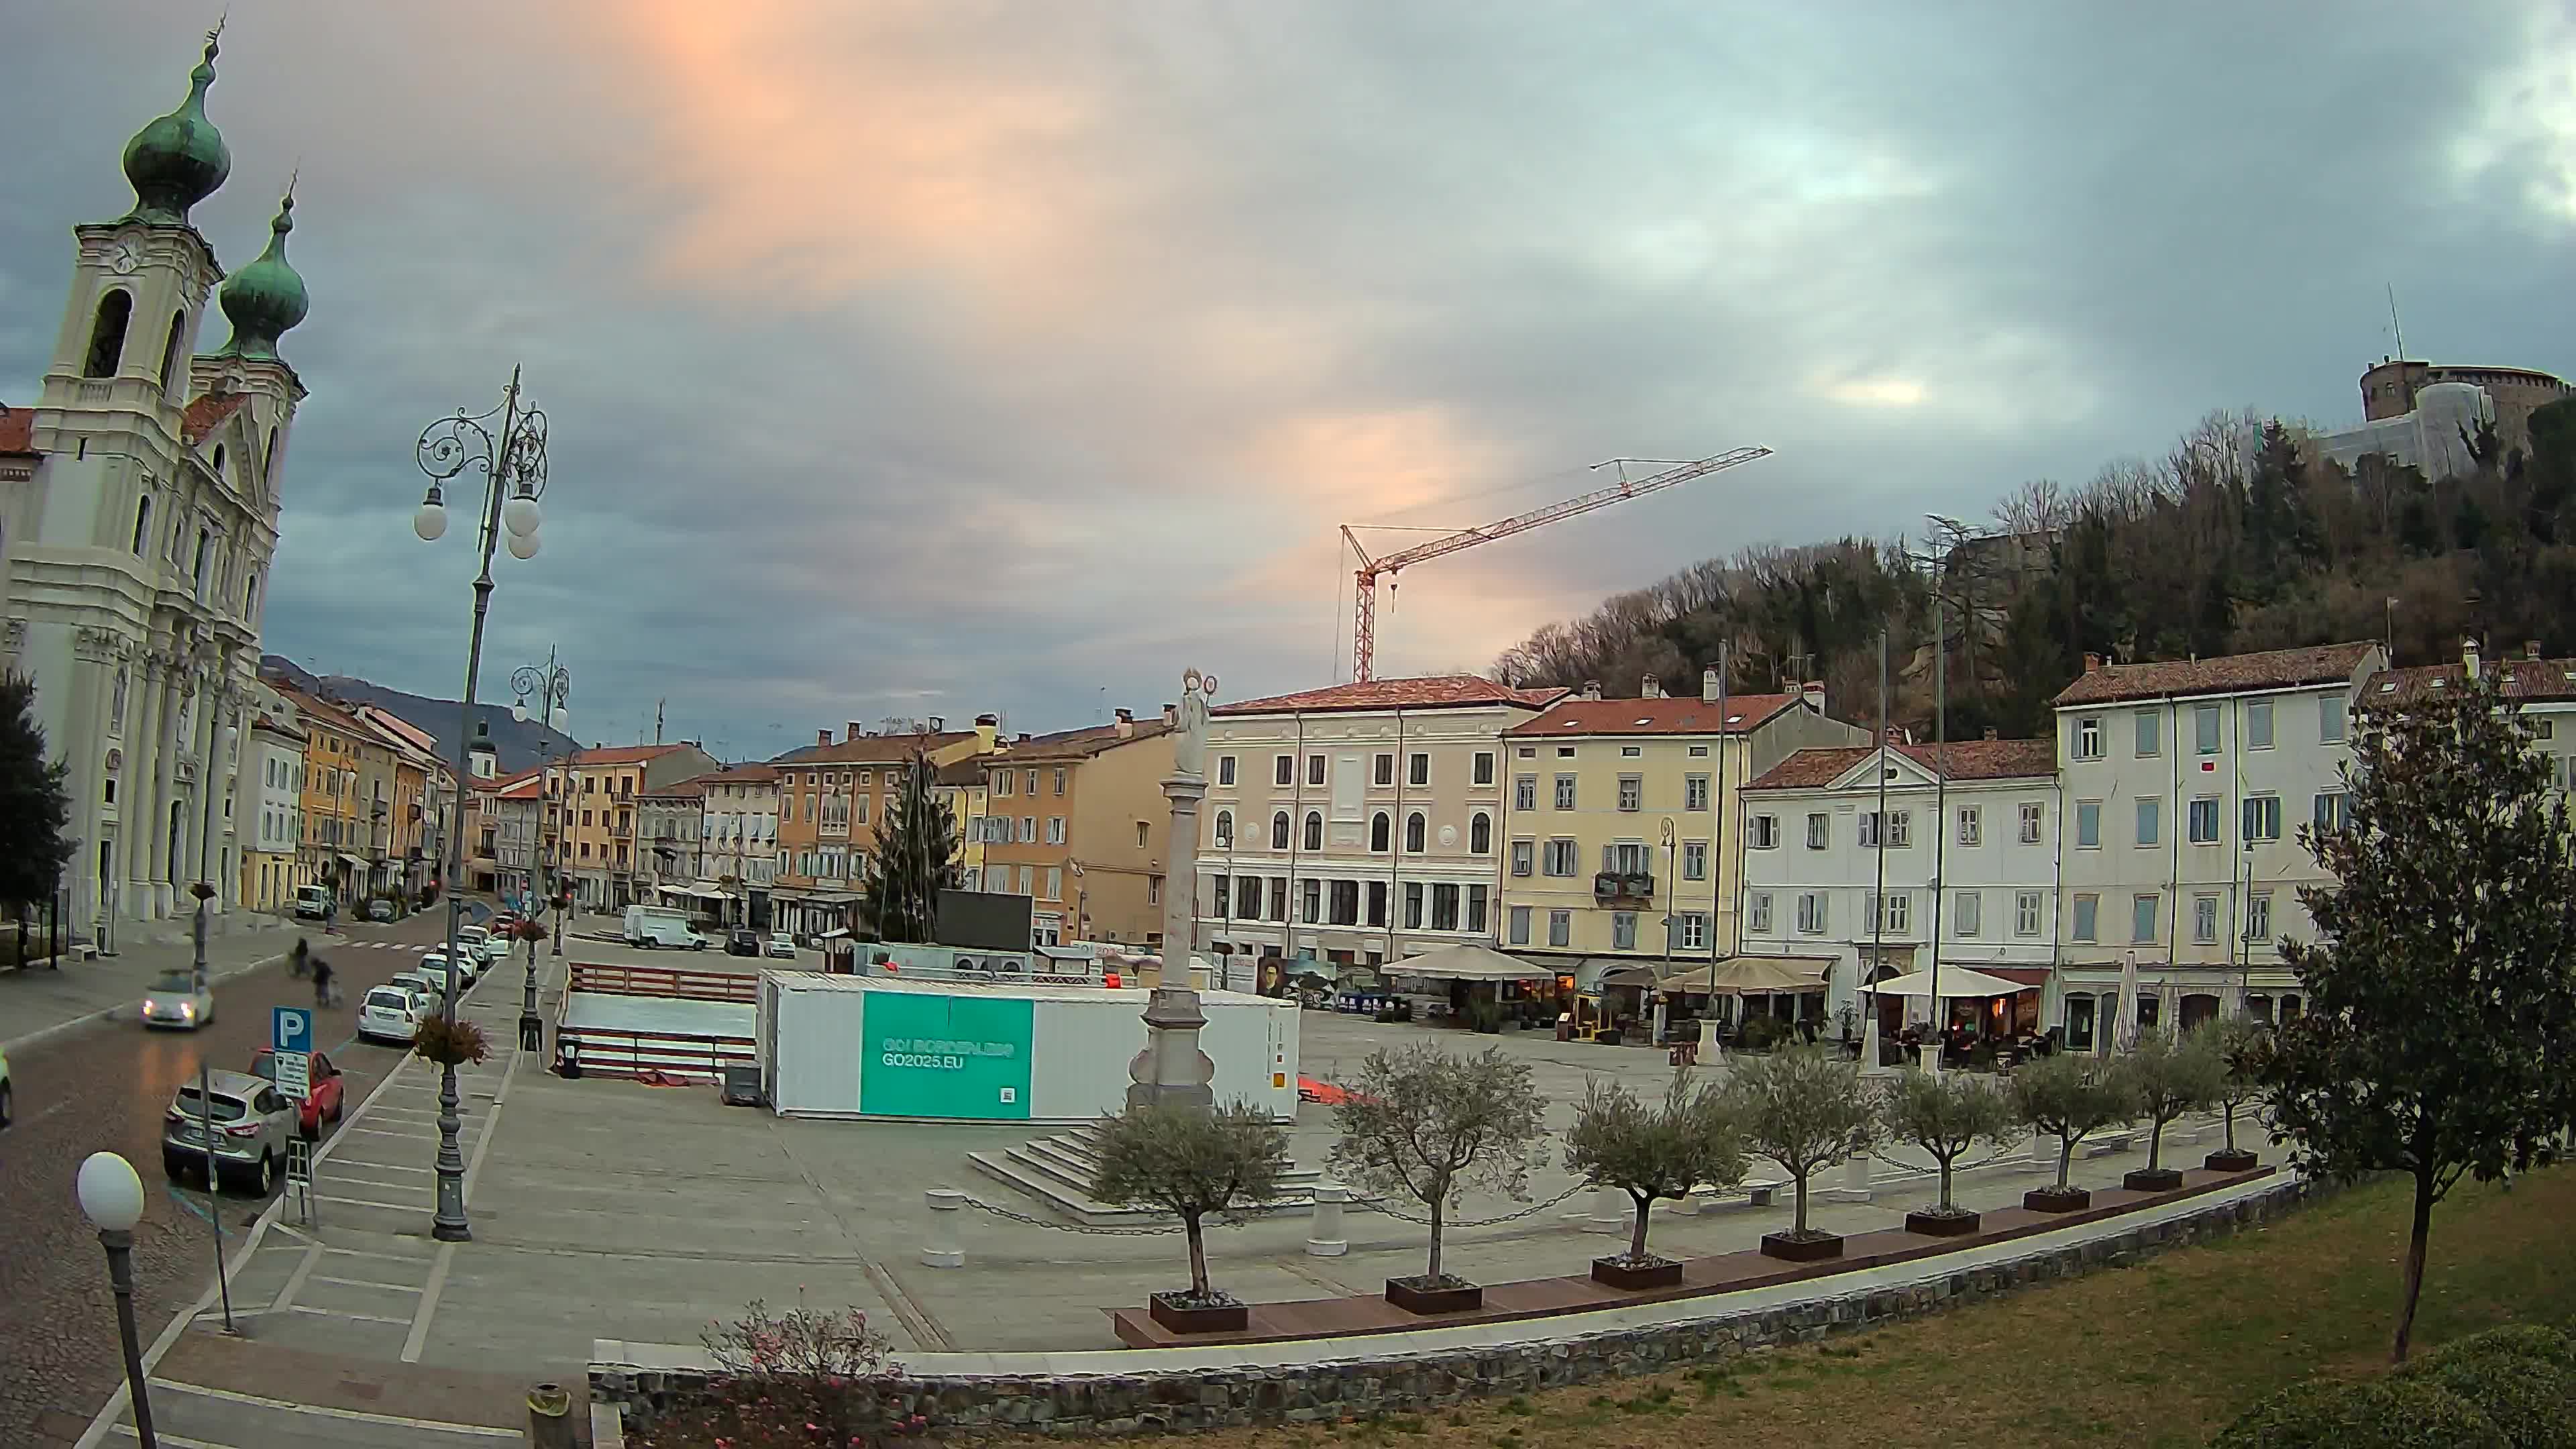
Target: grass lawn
x,y
2165,1353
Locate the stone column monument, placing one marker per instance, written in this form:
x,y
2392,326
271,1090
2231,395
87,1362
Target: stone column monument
x,y
1171,1071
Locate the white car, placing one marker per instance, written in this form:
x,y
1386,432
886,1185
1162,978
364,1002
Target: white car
x,y
433,970
417,985
479,943
176,1000
781,945
390,1014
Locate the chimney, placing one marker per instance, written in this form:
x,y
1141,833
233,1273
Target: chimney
x,y
1992,733
1895,734
1708,686
2469,655
988,732
822,737
1650,688
1126,724
1592,689
2531,650
939,724
1023,739
2092,663
1171,716
851,731
1813,691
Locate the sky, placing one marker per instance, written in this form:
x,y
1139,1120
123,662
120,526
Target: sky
x,y
931,357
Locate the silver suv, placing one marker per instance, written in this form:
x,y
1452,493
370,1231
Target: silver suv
x,y
251,1122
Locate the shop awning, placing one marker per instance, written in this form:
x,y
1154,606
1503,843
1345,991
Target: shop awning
x,y
1753,975
1629,973
358,861
1956,981
1467,962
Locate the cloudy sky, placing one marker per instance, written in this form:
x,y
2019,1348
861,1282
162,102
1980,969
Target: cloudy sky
x,y
930,356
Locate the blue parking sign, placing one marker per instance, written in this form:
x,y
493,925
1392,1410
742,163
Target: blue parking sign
x,y
290,1029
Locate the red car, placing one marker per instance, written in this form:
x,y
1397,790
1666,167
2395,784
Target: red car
x,y
321,1102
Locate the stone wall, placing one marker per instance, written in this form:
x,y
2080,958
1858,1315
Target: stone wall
x,y
1418,1381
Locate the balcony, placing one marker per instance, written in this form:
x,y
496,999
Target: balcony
x,y
1612,887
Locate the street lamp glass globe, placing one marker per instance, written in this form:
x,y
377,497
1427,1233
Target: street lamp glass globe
x,y
519,711
429,521
521,515
523,545
111,1196
562,720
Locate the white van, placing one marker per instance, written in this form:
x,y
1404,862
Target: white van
x,y
651,926
312,902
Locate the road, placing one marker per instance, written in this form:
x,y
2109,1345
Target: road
x,y
106,1086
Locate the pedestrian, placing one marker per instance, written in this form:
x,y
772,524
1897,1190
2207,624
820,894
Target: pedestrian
x,y
325,993
299,962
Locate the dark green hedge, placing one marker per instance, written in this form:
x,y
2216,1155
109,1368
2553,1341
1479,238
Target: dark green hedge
x,y
2507,1388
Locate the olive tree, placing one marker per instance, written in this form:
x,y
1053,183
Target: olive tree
x,y
1429,1125
2168,1077
1193,1164
2242,1046
1651,1152
1946,1114
2071,1097
1805,1109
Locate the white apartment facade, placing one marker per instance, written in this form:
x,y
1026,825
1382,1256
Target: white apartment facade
x,y
2184,785
274,764
514,805
738,837
1358,824
1961,867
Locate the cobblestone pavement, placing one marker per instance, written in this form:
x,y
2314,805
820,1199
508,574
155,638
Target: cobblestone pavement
x,y
105,1085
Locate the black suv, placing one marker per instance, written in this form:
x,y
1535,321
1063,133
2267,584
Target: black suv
x,y
742,941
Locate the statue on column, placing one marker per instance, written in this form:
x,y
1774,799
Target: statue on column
x,y
1172,1070
1189,745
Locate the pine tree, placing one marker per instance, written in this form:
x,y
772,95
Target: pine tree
x,y
34,808
916,859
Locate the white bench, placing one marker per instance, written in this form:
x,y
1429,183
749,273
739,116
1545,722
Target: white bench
x,y
2106,1144
1757,1191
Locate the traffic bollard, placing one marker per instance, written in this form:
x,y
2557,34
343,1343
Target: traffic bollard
x,y
1325,1235
941,1248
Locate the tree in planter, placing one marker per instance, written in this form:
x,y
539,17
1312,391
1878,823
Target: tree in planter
x,y
1946,1114
1428,1125
2440,1008
2242,1046
2167,1078
1654,1152
1191,1164
1805,1109
2070,1097
916,858
34,809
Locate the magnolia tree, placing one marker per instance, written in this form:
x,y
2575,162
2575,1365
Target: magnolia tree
x,y
2071,1097
1946,1114
1194,1165
1430,1125
2441,1010
1649,1152
1806,1110
2242,1046
2169,1077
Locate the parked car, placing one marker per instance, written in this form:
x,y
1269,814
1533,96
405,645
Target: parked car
x,y
312,903
391,1014
782,945
479,941
322,1096
742,941
380,910
250,1122
176,1000
433,969
416,984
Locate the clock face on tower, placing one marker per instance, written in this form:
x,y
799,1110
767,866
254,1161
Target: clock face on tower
x,y
127,256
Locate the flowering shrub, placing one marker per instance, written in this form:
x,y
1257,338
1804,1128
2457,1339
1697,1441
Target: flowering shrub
x,y
450,1043
800,1377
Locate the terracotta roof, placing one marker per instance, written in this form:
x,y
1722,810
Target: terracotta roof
x,y
523,787
871,749
1965,760
622,754
1079,744
208,413
965,772
739,775
682,789
2227,674
17,429
277,727
322,709
1666,716
1438,691
2542,679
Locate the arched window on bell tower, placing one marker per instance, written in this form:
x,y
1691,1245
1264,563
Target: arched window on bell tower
x,y
107,333
170,350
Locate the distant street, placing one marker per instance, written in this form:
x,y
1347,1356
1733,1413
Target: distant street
x,y
106,1085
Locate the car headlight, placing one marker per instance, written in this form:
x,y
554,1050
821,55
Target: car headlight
x,y
188,1010
150,1006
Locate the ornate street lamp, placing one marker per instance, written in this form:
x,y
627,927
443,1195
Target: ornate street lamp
x,y
513,465
111,1197
550,685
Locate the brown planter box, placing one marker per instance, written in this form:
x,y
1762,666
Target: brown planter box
x,y
1941,1225
2152,1179
1801,1250
1410,1295
2238,1160
1212,1318
1662,1273
2054,1200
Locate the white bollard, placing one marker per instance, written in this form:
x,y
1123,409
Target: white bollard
x,y
1611,1211
2043,1153
1930,1056
1324,1236
940,1248
1855,1186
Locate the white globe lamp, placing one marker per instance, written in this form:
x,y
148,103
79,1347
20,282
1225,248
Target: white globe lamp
x,y
521,516
111,1196
523,545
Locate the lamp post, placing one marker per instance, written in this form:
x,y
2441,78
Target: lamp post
x,y
514,477
111,1197
550,685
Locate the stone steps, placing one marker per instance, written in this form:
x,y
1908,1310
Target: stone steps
x,y
1057,1170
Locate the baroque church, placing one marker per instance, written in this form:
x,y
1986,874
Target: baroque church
x,y
138,514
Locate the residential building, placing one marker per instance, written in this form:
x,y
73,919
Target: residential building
x,y
2545,690
423,798
961,786
738,831
514,833
137,525
337,822
2184,783
1867,862
274,807
1359,823
1619,814
832,798
1077,821
668,822
590,816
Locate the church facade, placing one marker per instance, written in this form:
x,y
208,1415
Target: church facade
x,y
139,504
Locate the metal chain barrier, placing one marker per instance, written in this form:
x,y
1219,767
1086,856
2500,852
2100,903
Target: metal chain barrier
x,y
1003,1212
1380,1206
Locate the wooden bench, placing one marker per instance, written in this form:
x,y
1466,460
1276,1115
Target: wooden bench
x,y
2105,1144
1757,1191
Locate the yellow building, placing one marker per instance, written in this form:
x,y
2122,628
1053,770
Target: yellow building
x,y
832,797
589,840
1619,813
1079,824
338,751
961,787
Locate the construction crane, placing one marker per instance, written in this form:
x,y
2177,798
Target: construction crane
x,y
1364,605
